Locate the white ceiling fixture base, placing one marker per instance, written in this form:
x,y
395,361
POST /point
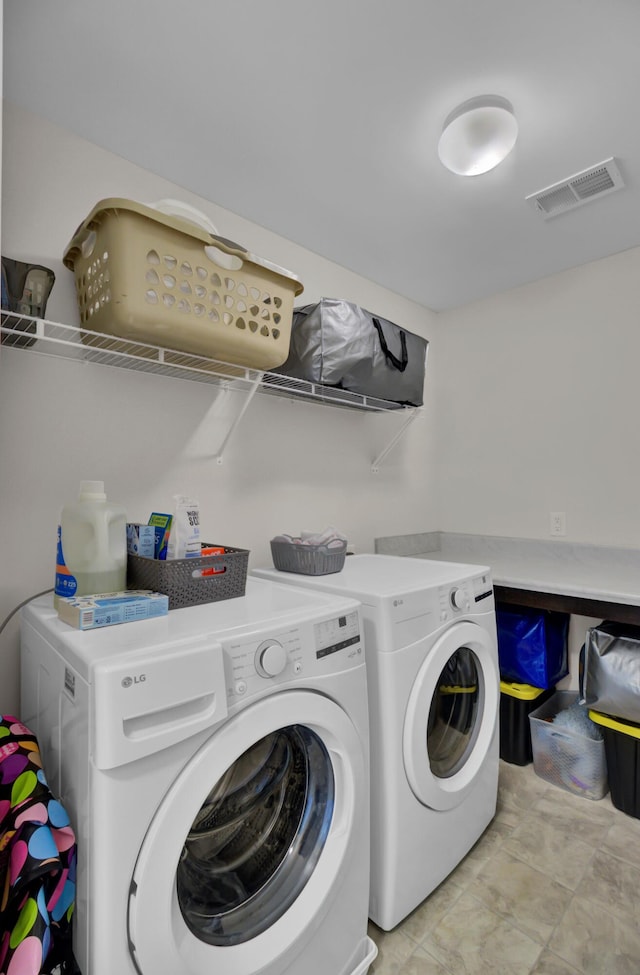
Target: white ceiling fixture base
x,y
478,135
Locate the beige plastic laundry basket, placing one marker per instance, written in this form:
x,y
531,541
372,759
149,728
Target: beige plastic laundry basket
x,y
154,277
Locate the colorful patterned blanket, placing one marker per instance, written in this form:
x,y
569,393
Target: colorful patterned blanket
x,y
37,861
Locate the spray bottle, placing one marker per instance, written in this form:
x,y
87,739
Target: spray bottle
x,y
92,545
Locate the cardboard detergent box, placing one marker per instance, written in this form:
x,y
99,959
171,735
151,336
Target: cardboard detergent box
x,y
141,540
108,608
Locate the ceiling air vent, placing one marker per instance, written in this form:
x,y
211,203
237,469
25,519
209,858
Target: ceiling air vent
x,y
578,189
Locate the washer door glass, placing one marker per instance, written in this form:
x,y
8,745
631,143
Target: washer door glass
x,y
453,715
257,837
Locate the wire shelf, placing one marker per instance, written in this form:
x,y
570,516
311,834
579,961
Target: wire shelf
x,y
45,337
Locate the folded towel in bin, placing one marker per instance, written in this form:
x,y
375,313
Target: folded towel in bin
x,y
330,538
312,553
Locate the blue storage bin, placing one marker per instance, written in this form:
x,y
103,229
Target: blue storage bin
x,y
532,645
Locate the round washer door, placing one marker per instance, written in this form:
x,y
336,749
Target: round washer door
x,y
251,842
451,716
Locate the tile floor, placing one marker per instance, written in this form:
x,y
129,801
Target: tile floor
x,y
552,888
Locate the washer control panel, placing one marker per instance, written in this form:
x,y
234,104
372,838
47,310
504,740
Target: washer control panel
x,y
253,662
339,633
271,658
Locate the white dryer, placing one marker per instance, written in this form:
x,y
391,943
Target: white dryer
x,y
432,663
214,764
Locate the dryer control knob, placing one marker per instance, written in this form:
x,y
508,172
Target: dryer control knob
x,y
271,658
459,599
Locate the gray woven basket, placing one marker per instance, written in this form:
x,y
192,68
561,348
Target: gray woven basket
x,y
309,560
183,581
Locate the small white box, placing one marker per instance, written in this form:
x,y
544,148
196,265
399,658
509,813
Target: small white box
x,y
108,608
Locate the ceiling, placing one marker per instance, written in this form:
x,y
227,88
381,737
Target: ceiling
x,y
319,120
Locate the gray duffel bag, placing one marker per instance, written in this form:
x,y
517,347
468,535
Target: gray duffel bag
x,y
338,343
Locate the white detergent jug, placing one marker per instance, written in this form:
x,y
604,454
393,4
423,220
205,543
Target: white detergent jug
x,y
92,545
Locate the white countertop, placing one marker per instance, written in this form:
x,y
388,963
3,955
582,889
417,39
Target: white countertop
x,y
564,568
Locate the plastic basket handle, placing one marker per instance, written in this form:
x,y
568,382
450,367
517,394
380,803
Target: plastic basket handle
x,y
330,548
227,254
176,208
399,364
230,256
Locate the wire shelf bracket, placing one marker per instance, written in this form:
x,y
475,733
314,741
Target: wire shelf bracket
x,y
45,337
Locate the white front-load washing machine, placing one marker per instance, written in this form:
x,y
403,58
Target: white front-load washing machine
x,y
214,764
432,666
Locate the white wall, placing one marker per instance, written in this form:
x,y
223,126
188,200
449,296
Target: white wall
x,y
538,407
537,392
531,405
290,466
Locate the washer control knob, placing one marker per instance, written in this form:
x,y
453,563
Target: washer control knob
x,y
271,658
459,599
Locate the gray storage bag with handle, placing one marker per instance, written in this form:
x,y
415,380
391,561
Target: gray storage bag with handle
x,y
338,343
610,677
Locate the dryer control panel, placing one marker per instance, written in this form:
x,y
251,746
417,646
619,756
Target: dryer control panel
x,y
253,662
467,595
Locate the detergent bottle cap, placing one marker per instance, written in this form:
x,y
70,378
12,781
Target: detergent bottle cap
x,y
92,491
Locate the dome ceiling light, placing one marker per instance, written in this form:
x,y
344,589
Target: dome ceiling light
x,y
478,135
